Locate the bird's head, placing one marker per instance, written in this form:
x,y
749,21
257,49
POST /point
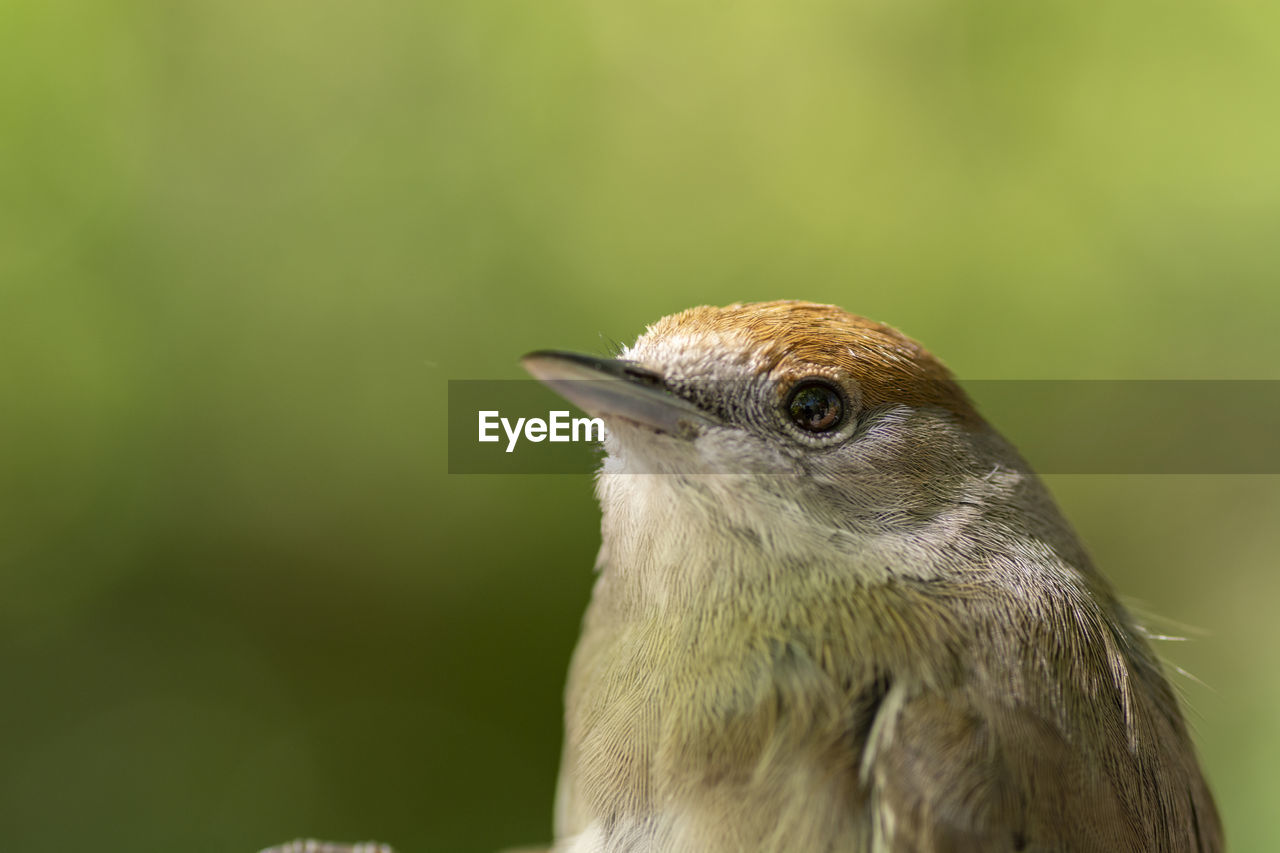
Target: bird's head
x,y
793,423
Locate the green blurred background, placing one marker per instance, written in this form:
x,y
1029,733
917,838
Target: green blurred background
x,y
244,245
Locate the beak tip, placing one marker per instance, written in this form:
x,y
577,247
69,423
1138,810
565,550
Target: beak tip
x,y
613,387
545,364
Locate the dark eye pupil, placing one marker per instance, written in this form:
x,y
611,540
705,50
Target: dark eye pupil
x,y
815,408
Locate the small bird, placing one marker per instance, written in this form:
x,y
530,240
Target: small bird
x,y
836,611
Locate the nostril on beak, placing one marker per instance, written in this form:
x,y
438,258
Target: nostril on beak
x,y
643,375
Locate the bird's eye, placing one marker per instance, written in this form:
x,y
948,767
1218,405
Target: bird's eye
x,y
816,407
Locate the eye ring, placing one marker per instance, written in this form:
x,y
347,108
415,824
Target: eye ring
x,y
817,406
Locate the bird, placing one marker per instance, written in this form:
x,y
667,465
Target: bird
x,y
835,610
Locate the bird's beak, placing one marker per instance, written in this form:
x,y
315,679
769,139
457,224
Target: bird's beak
x,y
608,387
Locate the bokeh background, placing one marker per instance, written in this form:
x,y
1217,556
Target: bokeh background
x,y
244,245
